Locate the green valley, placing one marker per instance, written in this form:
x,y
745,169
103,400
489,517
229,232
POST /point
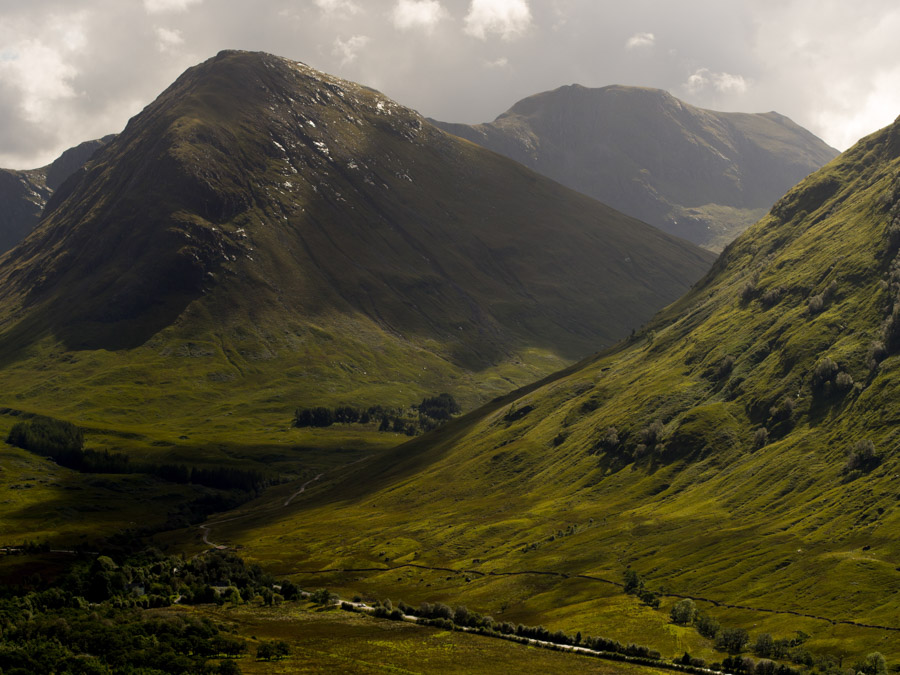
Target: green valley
x,y
286,370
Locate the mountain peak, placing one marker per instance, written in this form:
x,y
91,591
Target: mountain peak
x,y
700,174
253,176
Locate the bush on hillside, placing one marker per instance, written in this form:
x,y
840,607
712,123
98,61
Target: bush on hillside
x,y
861,456
760,438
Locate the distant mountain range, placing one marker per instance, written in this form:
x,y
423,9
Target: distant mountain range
x,y
23,194
287,225
695,173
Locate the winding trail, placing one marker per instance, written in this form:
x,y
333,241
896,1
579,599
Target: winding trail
x,y
206,528
301,490
588,577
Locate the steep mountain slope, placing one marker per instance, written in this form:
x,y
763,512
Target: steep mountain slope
x,y
23,194
702,175
741,449
264,230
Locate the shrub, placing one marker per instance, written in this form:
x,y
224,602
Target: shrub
x,y
651,434
861,456
748,291
823,373
760,438
772,297
816,304
783,411
843,381
724,368
877,354
610,440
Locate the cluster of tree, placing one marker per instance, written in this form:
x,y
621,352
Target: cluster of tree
x,y
425,416
90,620
272,649
325,417
443,616
736,641
46,436
64,444
634,585
440,407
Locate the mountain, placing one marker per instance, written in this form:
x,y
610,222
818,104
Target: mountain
x,y
266,231
699,174
740,450
23,194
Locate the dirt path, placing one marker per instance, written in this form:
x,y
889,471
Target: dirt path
x,y
301,490
207,527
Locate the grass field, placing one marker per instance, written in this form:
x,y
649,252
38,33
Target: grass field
x,y
336,641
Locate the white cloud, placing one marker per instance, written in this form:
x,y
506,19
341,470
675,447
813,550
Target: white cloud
x,y
42,76
502,62
347,50
339,8
639,40
724,83
425,14
162,6
168,39
507,18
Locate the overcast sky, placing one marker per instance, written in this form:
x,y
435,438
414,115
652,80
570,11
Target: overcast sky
x,y
71,70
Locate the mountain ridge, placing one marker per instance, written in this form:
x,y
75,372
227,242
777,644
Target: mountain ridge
x,y
700,174
24,193
262,201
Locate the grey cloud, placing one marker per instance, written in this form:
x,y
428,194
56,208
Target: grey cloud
x,y
830,67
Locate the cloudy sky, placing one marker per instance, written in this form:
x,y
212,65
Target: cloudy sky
x,y
71,70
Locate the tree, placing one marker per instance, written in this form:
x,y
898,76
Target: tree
x,y
683,612
733,640
706,625
229,668
282,649
874,664
764,645
265,651
633,582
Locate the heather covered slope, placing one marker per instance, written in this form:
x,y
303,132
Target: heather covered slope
x,y
699,174
23,194
264,235
741,450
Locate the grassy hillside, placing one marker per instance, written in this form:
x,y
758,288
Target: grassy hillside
x,y
699,174
740,450
265,236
